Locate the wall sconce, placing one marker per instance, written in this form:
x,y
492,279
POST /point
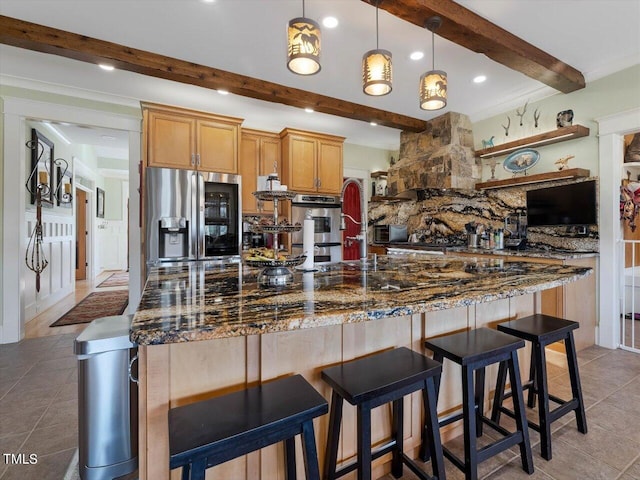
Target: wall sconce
x,y
303,45
376,68
433,84
34,257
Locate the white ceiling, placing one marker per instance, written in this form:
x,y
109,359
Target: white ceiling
x,y
597,37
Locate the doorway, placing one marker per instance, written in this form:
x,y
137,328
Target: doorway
x,y
81,235
630,210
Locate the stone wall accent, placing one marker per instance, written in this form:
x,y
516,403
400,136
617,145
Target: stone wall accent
x,y
440,157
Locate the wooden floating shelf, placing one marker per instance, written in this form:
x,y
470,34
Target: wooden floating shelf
x,y
541,177
559,135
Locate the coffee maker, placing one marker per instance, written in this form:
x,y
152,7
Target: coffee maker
x,y
516,227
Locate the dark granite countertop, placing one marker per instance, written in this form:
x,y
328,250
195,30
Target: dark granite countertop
x,y
533,252
199,300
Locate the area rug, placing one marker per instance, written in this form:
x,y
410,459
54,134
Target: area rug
x,y
118,279
95,305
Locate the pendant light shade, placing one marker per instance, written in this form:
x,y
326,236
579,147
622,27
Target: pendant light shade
x,y
433,90
303,45
433,84
376,72
377,69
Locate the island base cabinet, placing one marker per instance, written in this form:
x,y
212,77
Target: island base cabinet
x,y
181,373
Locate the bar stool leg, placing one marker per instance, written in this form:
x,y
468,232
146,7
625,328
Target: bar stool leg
x,y
364,441
431,432
520,414
198,468
186,471
498,398
479,399
576,388
533,389
290,458
543,401
311,467
397,434
333,437
469,412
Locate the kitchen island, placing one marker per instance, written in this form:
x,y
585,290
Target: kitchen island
x,y
207,329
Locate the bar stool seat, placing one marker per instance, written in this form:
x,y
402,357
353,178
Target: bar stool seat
x,y
542,330
373,381
474,350
210,432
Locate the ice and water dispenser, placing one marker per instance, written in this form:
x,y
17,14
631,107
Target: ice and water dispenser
x,y
173,237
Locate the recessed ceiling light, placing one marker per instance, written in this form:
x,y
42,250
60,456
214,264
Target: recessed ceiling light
x,y
373,124
416,55
208,1
308,110
479,79
222,91
108,137
106,67
330,22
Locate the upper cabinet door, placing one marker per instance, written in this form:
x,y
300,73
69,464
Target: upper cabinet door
x,y
259,155
302,164
248,169
171,140
270,157
329,167
217,146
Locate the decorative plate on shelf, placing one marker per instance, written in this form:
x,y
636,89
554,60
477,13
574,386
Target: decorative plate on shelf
x,y
521,160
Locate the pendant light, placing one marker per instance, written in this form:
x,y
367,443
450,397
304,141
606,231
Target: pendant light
x,y
303,45
376,68
433,84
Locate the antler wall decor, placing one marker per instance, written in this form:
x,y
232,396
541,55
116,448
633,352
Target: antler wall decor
x,y
536,117
34,257
524,110
506,127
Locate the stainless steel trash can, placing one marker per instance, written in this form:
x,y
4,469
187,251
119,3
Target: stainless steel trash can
x,y
107,400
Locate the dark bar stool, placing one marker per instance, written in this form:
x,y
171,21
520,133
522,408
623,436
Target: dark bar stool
x,y
542,330
210,432
373,381
474,351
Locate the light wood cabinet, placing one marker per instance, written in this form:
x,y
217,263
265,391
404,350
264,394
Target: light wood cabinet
x,y
259,155
311,162
186,139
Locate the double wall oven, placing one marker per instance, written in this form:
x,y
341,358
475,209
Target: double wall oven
x,y
327,238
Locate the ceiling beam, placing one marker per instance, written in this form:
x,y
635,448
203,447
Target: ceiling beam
x,y
467,29
31,36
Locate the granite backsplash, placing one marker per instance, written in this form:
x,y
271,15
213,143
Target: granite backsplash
x,y
440,215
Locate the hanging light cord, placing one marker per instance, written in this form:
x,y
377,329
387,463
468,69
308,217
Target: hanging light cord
x,y
303,9
377,3
433,51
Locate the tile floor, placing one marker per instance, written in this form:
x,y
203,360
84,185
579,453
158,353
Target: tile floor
x,y
38,414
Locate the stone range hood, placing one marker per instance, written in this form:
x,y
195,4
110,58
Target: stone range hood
x,y
440,157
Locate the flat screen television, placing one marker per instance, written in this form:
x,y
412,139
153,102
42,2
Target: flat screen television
x,y
571,204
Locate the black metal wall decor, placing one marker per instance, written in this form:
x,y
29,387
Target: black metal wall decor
x,y
43,187
100,203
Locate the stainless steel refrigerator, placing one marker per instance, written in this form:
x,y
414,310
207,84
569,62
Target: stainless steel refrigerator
x,y
192,215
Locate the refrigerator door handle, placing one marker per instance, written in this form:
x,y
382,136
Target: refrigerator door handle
x,y
201,225
194,227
